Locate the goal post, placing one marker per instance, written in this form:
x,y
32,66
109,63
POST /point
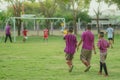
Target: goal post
x,y
31,18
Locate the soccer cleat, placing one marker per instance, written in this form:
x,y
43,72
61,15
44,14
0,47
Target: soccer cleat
x,y
87,69
106,75
99,73
70,70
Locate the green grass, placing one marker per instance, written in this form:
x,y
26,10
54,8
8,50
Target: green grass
x,y
37,60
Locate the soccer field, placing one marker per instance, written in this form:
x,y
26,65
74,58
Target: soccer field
x,y
39,60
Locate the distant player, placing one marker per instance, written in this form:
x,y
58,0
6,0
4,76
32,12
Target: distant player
x,y
110,32
24,34
8,33
65,32
45,32
71,43
103,45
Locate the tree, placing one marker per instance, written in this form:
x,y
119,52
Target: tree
x,y
18,9
97,13
117,2
32,8
3,18
48,8
110,2
75,6
84,16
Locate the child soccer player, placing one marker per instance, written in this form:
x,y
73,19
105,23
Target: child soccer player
x,y
24,34
8,33
45,34
103,45
65,31
70,48
110,32
87,41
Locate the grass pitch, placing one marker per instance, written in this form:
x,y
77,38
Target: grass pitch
x,y
39,60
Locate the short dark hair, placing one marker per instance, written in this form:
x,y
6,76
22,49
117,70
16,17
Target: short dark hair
x,y
110,24
70,29
101,34
9,23
24,27
88,27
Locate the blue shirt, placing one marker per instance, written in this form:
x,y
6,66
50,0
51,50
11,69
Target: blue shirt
x,y
110,32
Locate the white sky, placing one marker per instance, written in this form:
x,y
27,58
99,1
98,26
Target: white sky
x,y
103,7
3,6
93,5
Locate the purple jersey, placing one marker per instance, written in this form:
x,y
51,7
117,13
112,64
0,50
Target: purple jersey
x,y
7,29
103,45
71,43
88,40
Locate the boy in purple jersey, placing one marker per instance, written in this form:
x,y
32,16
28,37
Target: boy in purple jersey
x,y
7,32
87,38
71,43
103,45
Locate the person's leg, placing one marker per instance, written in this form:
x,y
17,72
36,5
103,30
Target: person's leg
x,y
101,61
46,39
10,38
85,62
69,58
100,71
104,65
105,69
83,57
88,59
23,39
70,66
6,38
111,43
69,63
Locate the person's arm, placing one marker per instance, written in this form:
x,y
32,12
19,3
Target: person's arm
x,y
75,42
108,45
64,37
106,32
79,44
94,49
113,36
94,46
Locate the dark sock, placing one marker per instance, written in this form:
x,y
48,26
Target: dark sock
x,y
105,68
100,67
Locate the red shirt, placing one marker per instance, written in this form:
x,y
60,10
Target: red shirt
x,y
24,32
46,32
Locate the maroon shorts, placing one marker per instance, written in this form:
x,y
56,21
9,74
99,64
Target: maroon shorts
x,y
45,36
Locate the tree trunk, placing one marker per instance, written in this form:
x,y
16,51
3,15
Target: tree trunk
x,y
18,24
48,26
98,24
75,28
74,23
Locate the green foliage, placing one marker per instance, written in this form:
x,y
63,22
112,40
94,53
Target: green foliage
x,y
3,18
48,7
84,17
55,8
32,8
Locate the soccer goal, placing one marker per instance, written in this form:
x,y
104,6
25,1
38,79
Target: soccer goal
x,y
35,22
